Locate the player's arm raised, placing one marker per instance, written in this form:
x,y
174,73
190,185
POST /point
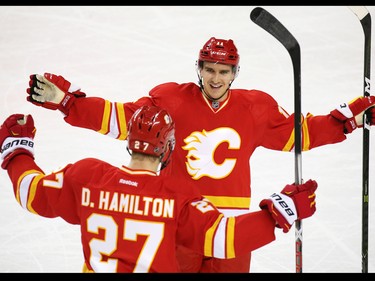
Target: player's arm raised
x,y
16,137
94,113
52,92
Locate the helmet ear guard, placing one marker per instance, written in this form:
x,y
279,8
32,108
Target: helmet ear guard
x,y
151,131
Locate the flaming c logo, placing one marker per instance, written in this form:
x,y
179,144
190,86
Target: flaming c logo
x,y
201,147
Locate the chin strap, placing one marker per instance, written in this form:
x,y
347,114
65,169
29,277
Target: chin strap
x,y
164,159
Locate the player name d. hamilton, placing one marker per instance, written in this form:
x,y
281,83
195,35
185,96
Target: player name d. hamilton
x,y
129,203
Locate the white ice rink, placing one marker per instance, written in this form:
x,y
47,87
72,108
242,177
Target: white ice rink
x,y
120,53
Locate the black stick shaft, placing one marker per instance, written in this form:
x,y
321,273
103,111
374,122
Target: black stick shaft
x,y
273,26
365,19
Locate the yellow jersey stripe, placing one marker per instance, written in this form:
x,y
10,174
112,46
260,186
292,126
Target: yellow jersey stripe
x,y
122,121
209,237
230,238
106,115
229,202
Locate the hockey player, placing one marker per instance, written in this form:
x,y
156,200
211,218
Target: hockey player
x,y
218,129
131,218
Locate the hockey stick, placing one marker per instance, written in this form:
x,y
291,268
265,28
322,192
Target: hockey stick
x,y
270,24
365,18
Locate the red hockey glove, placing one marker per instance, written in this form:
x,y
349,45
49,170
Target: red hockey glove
x,y
52,92
294,202
16,137
352,113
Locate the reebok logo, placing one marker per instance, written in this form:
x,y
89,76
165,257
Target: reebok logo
x,y
128,182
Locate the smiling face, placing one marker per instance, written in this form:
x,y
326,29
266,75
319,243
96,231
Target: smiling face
x,y
216,79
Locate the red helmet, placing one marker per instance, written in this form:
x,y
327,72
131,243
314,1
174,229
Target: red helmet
x,y
151,131
220,51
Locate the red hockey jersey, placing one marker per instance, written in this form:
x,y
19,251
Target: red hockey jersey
x,y
131,220
213,147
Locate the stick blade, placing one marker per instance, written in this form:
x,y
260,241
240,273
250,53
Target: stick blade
x,y
359,11
269,23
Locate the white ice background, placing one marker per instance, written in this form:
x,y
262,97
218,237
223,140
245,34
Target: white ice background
x,y
121,52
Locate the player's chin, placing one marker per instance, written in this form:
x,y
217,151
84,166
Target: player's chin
x,y
216,92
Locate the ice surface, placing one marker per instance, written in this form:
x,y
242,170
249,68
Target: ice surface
x,y
121,52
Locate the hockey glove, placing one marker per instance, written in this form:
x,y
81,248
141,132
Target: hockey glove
x,y
294,202
351,114
16,137
52,92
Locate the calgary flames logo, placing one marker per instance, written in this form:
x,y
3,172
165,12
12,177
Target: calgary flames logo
x,y
201,147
